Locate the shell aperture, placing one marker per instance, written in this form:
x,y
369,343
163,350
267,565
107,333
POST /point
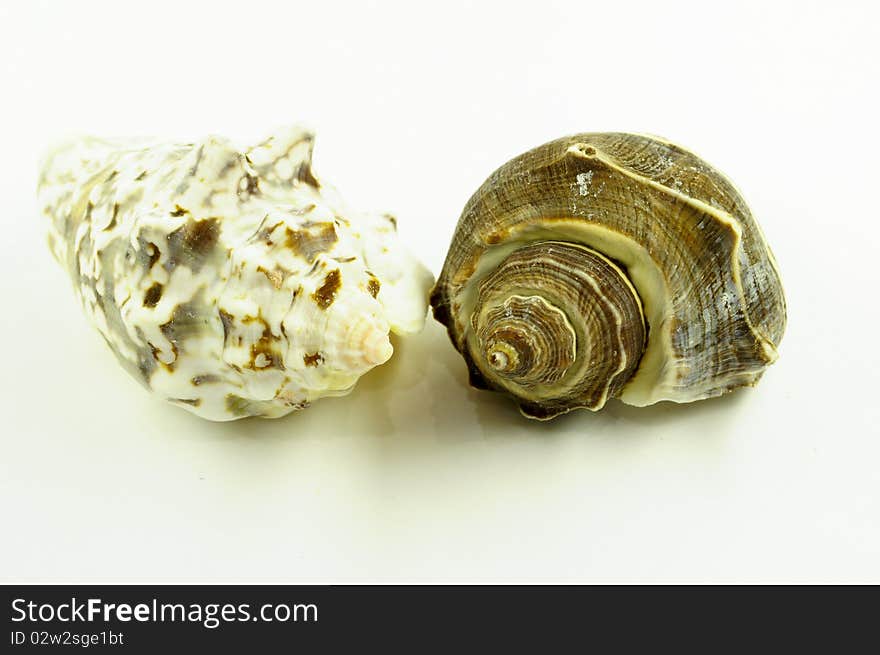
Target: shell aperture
x,y
609,265
228,280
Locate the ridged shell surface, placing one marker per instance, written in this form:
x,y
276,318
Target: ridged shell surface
x,y
228,280
647,277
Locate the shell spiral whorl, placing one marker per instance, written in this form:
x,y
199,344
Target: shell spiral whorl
x,y
554,321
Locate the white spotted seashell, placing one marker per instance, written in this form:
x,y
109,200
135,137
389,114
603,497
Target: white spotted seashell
x,y
229,281
609,265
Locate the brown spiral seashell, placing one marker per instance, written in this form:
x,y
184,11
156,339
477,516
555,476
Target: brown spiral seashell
x,y
609,265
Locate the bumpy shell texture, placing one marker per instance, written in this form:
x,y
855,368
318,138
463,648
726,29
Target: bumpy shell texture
x,y
609,265
228,281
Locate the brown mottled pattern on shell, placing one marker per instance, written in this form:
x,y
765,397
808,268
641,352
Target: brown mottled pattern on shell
x,y
197,263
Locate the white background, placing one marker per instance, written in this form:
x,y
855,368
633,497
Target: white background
x,y
415,477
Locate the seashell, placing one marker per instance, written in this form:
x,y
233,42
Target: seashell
x,y
609,265
230,282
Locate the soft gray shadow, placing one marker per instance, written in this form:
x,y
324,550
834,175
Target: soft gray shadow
x,y
499,414
421,399
668,413
367,410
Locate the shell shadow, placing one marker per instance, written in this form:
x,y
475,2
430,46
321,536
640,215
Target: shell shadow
x,y
499,414
421,399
